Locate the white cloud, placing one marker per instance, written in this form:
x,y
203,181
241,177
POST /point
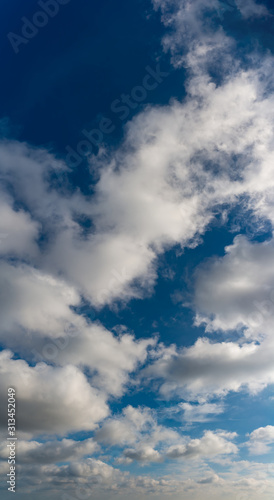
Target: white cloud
x,y
109,358
211,445
126,428
153,442
34,452
34,301
51,400
250,8
237,289
203,412
18,232
138,427
143,453
195,36
207,369
260,439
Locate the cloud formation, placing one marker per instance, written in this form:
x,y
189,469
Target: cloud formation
x,y
53,400
210,445
260,439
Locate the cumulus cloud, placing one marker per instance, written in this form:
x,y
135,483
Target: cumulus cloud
x,y
34,452
52,400
109,358
207,369
210,445
138,427
18,232
34,301
126,428
203,412
143,454
153,442
237,289
260,439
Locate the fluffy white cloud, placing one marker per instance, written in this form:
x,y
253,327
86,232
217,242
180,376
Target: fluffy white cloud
x,y
207,369
211,444
237,289
34,301
109,358
126,428
153,442
143,453
203,412
18,232
34,452
260,439
138,427
51,400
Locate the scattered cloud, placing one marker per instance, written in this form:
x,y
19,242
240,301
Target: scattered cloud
x,y
203,412
260,439
210,445
237,290
207,369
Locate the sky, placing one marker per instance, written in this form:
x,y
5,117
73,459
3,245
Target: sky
x,y
136,249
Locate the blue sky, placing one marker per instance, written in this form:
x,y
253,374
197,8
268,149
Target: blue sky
x,y
136,248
